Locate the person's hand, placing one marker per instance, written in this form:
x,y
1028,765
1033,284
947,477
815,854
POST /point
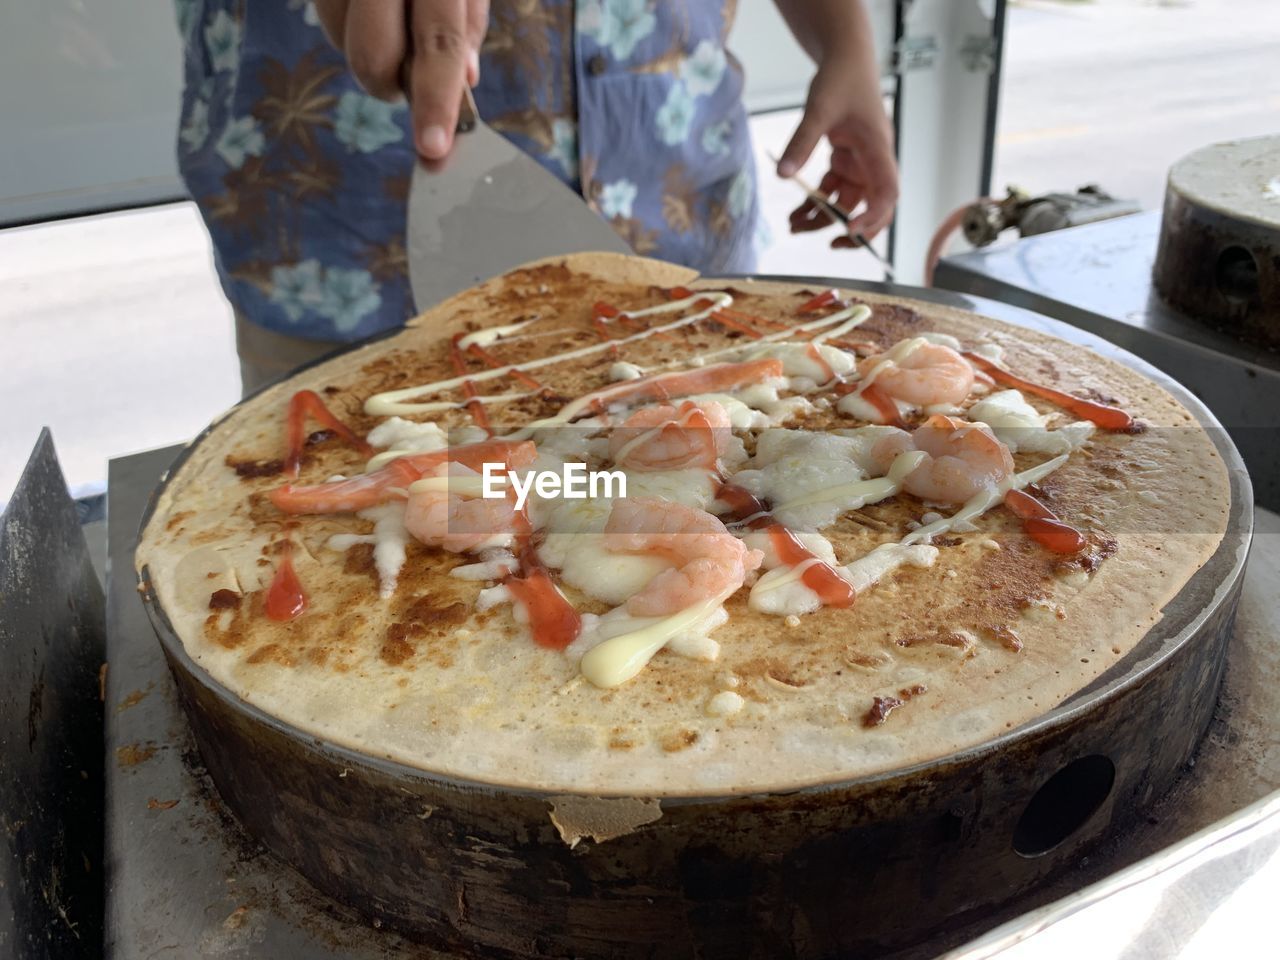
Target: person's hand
x,y
427,50
844,105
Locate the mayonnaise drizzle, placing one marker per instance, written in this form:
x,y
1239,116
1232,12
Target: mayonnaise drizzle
x,y
616,660
842,321
489,334
440,406
982,502
393,401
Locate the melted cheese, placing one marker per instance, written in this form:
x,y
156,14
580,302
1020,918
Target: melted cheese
x,y
783,593
812,478
573,544
625,371
389,539
798,360
495,565
1020,426
402,437
725,704
869,569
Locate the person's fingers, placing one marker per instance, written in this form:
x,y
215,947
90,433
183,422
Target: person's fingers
x,y
477,26
810,216
881,194
820,112
438,72
376,44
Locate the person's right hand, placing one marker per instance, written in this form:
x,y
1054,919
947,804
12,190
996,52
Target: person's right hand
x,y
428,50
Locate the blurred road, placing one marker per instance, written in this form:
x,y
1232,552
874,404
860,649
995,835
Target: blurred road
x,y
1114,91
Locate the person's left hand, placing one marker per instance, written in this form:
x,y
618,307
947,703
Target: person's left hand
x,y
844,105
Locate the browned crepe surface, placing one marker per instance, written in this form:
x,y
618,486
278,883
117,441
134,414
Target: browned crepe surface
x,y
998,631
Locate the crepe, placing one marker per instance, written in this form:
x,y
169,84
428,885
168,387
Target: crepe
x,y
982,630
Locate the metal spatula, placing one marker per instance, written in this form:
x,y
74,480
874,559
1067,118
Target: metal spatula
x,y
489,209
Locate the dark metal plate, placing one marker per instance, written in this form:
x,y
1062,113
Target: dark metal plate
x,y
51,648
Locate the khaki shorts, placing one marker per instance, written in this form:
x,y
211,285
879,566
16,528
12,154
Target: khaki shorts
x,y
266,356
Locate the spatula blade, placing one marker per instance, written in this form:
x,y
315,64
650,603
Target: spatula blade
x,y
491,208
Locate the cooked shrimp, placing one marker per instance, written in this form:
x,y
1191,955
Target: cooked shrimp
x,y
670,438
920,372
344,496
964,458
440,515
710,562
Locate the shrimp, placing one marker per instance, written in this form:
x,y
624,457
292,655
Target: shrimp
x,y
710,561
437,515
919,372
356,493
669,438
964,459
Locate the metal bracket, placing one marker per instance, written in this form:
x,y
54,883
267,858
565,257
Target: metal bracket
x,y
978,53
914,53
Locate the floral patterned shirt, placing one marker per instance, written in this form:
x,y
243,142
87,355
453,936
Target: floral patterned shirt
x,y
302,178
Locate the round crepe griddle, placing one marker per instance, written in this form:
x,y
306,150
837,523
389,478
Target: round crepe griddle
x,y
860,867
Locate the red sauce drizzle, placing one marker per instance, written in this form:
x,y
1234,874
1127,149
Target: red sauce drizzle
x,y
285,597
820,577
726,319
743,317
827,298
816,356
494,363
307,403
833,589
883,403
474,405
553,621
1042,525
1109,418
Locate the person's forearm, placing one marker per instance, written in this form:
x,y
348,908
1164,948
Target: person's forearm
x,y
827,28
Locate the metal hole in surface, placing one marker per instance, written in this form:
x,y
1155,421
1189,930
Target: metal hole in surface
x,y
1236,275
1063,805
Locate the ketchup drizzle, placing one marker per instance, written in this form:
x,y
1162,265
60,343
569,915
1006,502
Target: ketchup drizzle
x,y
307,403
553,621
827,298
819,576
883,403
474,405
1107,417
726,319
816,356
285,597
1043,525
494,363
